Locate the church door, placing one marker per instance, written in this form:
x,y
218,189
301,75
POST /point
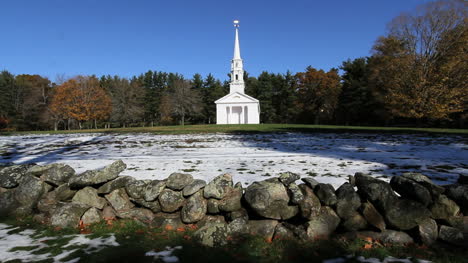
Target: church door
x,y
236,115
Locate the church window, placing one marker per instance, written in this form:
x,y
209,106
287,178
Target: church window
x,y
237,77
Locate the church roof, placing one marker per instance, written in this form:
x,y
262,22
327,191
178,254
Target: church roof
x,y
236,97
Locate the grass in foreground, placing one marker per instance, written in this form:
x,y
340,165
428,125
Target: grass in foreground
x,y
253,128
136,239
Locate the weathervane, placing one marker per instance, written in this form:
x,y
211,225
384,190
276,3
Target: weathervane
x,y
236,23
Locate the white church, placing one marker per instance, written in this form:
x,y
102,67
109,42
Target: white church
x,y
237,107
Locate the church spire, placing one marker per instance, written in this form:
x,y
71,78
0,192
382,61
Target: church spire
x,y
236,42
237,67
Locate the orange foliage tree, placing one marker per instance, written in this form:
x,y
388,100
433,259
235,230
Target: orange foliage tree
x,y
82,99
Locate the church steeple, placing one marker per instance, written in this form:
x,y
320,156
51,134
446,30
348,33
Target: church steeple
x,y
237,71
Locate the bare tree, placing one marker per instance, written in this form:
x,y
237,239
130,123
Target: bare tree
x,y
185,100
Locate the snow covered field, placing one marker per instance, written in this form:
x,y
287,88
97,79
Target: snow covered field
x,y
327,157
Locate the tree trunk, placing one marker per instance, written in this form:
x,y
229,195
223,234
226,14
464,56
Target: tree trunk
x,y
95,124
183,119
79,124
55,125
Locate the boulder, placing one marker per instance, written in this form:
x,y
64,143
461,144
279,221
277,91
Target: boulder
x,y
238,227
47,203
91,216
270,199
211,219
410,189
262,228
63,192
355,222
326,194
170,201
406,214
427,230
311,182
452,235
460,222
283,233
288,178
395,237
95,177
55,174
212,235
119,182
11,176
142,215
373,216
310,205
154,206
167,221
231,200
462,179
348,201
193,187
153,190
108,213
459,194
27,194
213,206
295,193
68,214
241,213
444,208
119,200
378,192
423,180
88,196
218,187
136,189
7,203
194,209
177,181
323,225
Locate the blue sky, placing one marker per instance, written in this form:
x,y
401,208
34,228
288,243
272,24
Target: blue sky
x,y
65,37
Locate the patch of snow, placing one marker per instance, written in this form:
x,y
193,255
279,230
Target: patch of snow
x,y
374,260
165,255
329,157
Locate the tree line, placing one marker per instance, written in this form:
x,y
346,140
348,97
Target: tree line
x,y
416,75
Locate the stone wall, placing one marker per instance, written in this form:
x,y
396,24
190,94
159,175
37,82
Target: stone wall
x,y
408,209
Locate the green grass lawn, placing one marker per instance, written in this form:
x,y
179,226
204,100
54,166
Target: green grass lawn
x,y
136,239
253,128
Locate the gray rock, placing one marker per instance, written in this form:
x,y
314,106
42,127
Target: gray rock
x,y
119,182
378,192
352,180
136,189
323,225
193,187
154,206
89,196
428,231
326,194
194,209
309,206
91,216
348,201
47,203
211,219
153,190
263,228
170,201
27,194
288,178
218,187
241,213
63,192
119,200
213,206
55,174
212,235
270,199
178,181
355,222
373,216
452,235
142,215
68,215
395,237
283,233
423,180
444,208
311,182
11,176
410,189
460,222
167,221
405,214
295,193
231,200
7,203
459,194
94,177
238,227
108,213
